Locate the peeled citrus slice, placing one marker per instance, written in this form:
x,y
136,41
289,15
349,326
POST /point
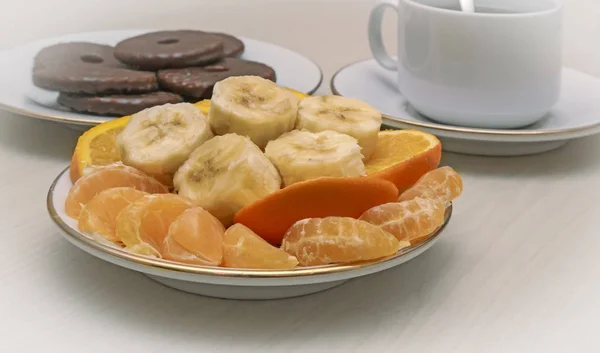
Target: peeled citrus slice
x,y
195,237
273,215
403,156
443,183
112,176
321,241
242,248
414,220
99,216
97,147
143,225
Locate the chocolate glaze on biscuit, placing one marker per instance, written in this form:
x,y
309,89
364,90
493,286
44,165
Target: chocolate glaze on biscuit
x,y
88,68
198,82
116,105
170,49
232,46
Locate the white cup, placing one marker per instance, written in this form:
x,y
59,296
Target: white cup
x,y
482,69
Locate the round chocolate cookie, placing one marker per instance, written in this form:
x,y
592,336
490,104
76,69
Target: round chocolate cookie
x,y
232,46
168,49
76,53
198,82
117,104
87,68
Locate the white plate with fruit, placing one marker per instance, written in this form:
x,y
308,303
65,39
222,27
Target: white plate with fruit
x,y
256,194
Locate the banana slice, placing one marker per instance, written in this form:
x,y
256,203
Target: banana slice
x,y
252,106
225,174
303,155
158,140
346,115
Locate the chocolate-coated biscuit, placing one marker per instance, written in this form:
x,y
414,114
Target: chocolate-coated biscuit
x,y
87,68
232,46
117,105
170,49
198,82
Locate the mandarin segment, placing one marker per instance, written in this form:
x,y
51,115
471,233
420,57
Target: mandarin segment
x,y
414,220
443,183
143,225
195,237
242,248
99,216
108,177
273,215
403,156
322,241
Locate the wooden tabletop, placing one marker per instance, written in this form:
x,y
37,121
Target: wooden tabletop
x,y
517,270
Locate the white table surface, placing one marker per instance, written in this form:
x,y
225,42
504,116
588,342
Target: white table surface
x,y
517,270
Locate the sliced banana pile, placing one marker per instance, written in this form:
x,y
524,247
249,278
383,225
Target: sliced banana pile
x,y
252,106
158,140
303,155
316,137
225,174
346,115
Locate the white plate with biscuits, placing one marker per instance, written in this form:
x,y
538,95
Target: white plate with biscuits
x,y
292,70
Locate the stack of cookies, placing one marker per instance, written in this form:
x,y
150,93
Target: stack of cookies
x,y
143,71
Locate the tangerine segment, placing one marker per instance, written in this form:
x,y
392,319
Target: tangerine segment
x,y
403,156
273,215
414,220
242,248
322,241
443,183
100,214
143,225
195,237
88,186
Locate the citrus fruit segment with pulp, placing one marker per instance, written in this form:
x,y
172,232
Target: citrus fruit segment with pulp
x,y
322,241
195,237
403,156
414,220
97,147
88,186
443,183
242,248
273,215
143,225
99,216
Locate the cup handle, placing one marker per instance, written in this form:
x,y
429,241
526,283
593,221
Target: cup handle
x,y
375,39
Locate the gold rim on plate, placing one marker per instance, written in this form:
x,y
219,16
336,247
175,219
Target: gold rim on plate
x,y
160,264
460,129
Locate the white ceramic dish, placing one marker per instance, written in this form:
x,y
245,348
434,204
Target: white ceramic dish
x,y
576,115
224,282
22,97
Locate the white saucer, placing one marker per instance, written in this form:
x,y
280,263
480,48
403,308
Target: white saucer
x,y
19,95
229,283
576,115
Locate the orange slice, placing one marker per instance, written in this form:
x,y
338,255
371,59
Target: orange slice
x,y
443,183
321,241
99,216
403,156
414,220
195,237
242,248
97,147
271,216
112,176
143,225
